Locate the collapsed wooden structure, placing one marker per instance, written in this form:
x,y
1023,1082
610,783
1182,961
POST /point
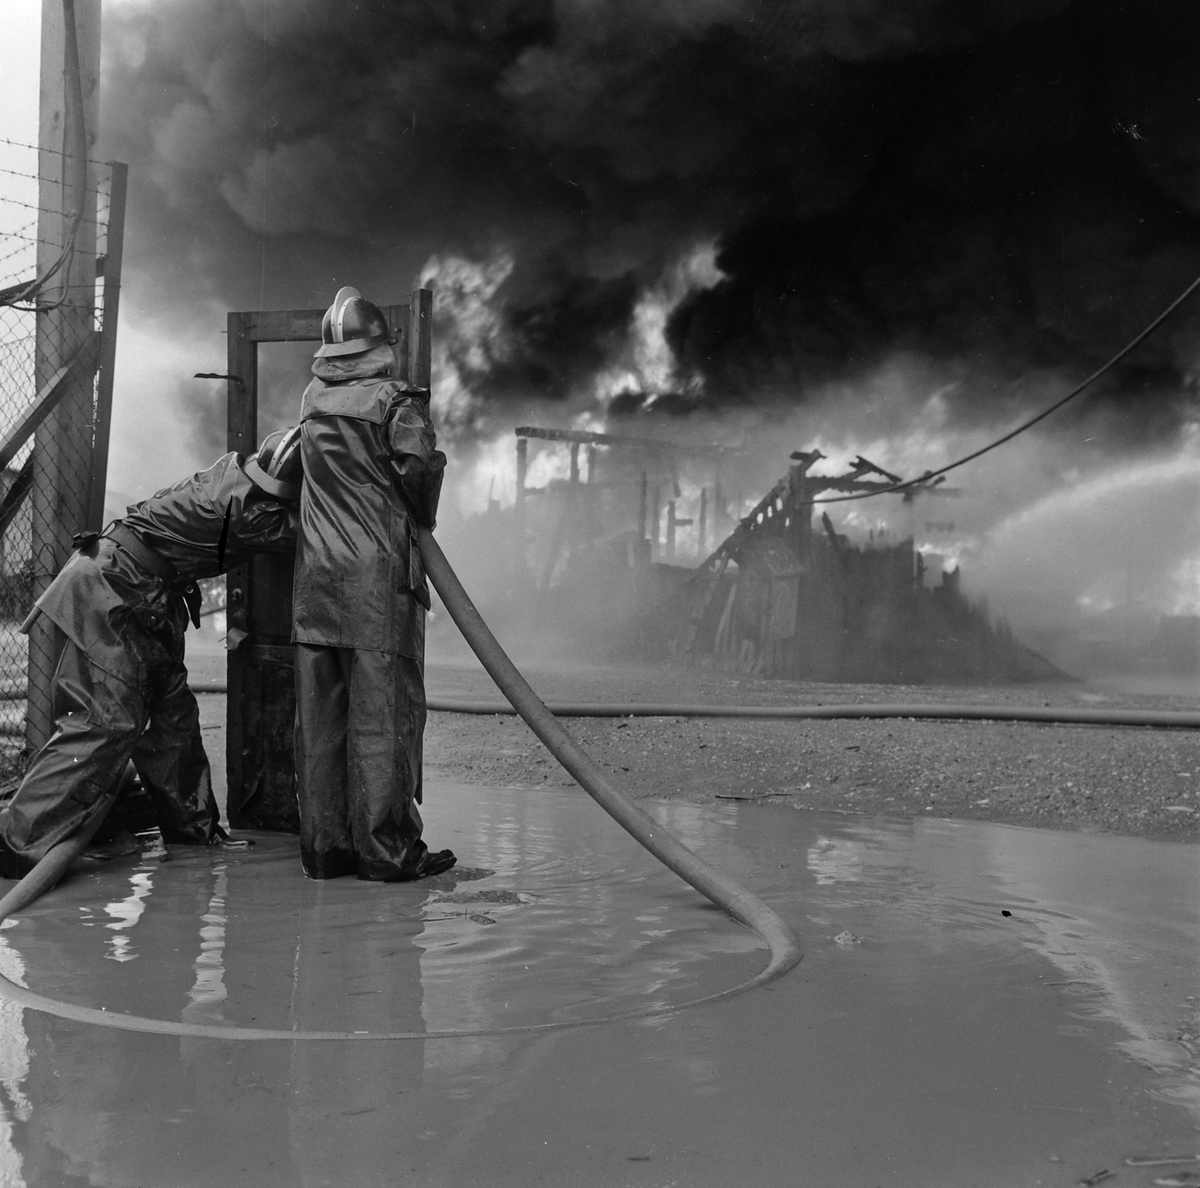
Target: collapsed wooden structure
x,y
780,599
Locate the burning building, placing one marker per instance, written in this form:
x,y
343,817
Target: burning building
x,y
783,600
601,558
648,219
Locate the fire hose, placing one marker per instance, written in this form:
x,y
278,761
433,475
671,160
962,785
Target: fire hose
x,y
723,891
954,712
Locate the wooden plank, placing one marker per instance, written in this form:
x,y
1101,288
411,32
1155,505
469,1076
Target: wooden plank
x,y
114,251
588,437
304,325
242,400
282,325
15,495
420,357
242,389
398,320
80,368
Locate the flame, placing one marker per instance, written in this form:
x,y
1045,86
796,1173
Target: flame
x,y
647,363
470,336
468,306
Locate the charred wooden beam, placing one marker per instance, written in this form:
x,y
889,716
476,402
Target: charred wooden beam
x,y
586,437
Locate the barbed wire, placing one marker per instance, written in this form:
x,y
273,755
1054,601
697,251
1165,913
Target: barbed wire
x,y
29,239
46,149
37,177
47,209
102,196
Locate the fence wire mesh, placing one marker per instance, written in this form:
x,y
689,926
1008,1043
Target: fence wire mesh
x,y
51,311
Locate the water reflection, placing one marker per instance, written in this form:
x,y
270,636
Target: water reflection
x,y
14,1069
209,986
837,860
1118,918
128,911
862,1067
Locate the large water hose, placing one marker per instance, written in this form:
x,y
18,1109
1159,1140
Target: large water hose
x,y
668,849
57,860
955,711
710,882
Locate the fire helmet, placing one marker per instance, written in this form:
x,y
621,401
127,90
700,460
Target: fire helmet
x,y
351,325
277,468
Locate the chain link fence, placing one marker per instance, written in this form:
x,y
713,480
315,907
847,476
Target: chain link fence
x,y
57,240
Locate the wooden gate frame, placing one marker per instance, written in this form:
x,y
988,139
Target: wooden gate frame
x,y
260,711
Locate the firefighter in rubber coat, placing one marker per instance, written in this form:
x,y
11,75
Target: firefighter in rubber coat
x,y
120,689
372,472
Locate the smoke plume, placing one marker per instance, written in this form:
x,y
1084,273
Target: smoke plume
x,y
903,224
999,186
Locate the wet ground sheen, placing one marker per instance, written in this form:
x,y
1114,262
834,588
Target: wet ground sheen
x,y
978,1005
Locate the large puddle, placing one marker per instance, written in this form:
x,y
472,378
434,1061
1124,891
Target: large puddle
x,y
1000,1007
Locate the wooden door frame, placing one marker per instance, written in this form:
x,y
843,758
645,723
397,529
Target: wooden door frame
x,y
259,670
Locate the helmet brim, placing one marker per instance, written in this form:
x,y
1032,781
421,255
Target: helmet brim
x,y
356,346
273,486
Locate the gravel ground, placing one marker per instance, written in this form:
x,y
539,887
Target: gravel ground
x,y
1132,780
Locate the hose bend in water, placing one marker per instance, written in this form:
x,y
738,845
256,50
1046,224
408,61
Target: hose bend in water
x,y
668,849
710,882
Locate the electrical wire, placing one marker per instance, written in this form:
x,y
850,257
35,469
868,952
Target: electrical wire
x,y
1007,437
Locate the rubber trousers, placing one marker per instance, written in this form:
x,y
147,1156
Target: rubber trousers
x,y
102,723
360,718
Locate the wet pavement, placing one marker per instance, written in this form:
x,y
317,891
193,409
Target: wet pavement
x,y
978,1005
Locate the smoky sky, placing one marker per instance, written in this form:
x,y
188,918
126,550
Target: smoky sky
x,y
1001,186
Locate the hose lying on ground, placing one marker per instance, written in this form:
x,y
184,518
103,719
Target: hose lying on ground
x,y
956,712
710,882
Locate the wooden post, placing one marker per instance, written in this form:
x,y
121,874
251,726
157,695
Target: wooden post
x,y
574,462
591,461
801,511
522,471
654,520
241,677
519,569
62,454
703,526
420,338
671,529
642,509
114,250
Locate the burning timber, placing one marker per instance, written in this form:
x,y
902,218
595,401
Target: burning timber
x,y
782,599
782,595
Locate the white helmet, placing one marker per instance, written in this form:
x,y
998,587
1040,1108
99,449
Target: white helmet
x,y
277,467
351,325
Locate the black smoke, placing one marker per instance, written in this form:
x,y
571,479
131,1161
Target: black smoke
x,y
1000,186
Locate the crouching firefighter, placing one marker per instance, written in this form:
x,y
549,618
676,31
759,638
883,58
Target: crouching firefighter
x,y
372,472
120,690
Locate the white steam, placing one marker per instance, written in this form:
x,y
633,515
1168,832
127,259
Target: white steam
x,y
1126,539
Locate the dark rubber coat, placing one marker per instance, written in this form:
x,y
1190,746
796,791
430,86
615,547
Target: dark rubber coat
x,y
371,467
120,688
